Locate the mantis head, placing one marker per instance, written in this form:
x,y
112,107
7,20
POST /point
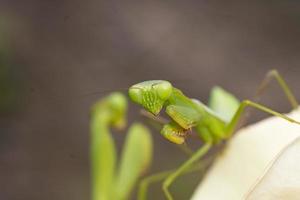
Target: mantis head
x,y
151,94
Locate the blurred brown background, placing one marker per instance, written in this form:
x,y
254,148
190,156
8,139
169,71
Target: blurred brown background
x,y
56,54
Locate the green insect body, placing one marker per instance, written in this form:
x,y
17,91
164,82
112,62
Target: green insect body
x,y
107,112
212,123
110,181
184,112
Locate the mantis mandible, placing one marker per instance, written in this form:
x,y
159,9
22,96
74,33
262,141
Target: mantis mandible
x,y
213,123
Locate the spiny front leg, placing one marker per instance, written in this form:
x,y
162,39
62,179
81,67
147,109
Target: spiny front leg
x,y
186,117
185,166
174,133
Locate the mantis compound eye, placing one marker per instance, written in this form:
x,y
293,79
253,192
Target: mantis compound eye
x,y
135,94
164,90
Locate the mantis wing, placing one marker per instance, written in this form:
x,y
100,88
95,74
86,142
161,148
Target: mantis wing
x,y
136,158
223,103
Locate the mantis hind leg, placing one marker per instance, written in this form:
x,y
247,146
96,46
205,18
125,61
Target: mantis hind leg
x,y
185,166
274,74
246,103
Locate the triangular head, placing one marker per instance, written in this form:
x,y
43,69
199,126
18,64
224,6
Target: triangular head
x,y
152,95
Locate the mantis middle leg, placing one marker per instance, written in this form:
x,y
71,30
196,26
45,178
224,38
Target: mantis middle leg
x,y
144,184
186,165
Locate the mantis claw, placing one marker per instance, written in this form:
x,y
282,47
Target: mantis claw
x,y
174,133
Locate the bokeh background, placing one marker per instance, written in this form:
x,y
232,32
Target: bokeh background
x,y
58,57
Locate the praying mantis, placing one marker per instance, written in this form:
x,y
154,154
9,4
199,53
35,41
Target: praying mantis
x,y
112,179
212,123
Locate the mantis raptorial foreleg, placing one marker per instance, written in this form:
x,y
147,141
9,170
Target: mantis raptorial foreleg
x,y
185,116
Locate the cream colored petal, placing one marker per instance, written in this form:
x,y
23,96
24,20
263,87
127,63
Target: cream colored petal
x,y
282,180
246,168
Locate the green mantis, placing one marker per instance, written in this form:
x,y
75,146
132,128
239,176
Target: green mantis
x,y
213,123
108,181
